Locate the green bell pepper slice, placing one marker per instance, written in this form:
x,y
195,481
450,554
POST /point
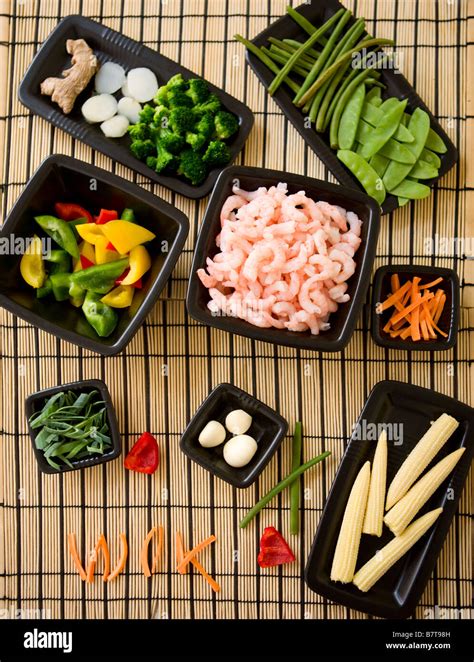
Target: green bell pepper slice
x,y
61,262
101,277
102,318
61,232
60,283
46,290
128,215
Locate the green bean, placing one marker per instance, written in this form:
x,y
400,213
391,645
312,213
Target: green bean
x,y
335,66
423,170
311,52
289,50
435,143
295,485
418,126
280,487
294,58
373,115
364,173
379,163
304,23
350,119
294,87
392,149
329,90
431,158
323,58
412,190
382,133
300,69
343,99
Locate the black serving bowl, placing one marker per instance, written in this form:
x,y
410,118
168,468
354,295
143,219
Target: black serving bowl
x,y
268,429
344,319
448,322
35,401
109,45
62,178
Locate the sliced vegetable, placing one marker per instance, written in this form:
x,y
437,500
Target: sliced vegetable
x,y
119,297
60,232
144,455
71,541
125,235
70,211
90,232
32,264
139,264
120,567
102,546
101,277
274,549
102,318
106,215
158,532
194,552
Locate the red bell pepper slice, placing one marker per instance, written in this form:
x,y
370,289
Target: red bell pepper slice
x,y
105,216
274,549
69,211
85,262
111,247
144,456
138,284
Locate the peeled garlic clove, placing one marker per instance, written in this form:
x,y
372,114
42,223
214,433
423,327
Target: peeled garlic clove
x,y
109,78
212,435
238,421
239,450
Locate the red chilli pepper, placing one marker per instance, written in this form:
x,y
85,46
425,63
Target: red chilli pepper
x,y
69,211
85,262
105,216
274,549
138,284
144,455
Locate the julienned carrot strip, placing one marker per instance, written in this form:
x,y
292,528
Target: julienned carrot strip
x,y
389,301
144,552
212,582
415,316
194,551
432,284
427,297
71,541
405,333
395,282
119,568
100,545
424,330
439,308
180,552
159,547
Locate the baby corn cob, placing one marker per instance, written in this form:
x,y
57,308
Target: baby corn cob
x,y
378,565
373,521
417,461
402,513
345,556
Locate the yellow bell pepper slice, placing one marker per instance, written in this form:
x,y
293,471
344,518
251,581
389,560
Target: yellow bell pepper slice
x,y
32,264
119,297
125,235
102,253
139,263
90,232
88,251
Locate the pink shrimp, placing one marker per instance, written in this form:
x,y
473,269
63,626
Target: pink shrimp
x,y
230,205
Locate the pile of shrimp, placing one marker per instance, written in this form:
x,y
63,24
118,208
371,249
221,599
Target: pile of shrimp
x,y
284,260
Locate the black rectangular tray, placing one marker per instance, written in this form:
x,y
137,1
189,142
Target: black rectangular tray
x,y
318,12
397,593
108,44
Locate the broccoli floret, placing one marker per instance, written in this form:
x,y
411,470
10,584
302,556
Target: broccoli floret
x,y
198,90
196,140
181,120
160,117
139,131
178,98
192,167
217,154
171,141
146,113
205,126
161,97
211,105
226,124
142,148
163,160
175,83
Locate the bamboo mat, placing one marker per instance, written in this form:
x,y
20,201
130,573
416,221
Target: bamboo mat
x,y
173,362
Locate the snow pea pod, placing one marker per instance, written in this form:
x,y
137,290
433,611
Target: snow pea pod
x,y
435,143
412,190
392,148
374,96
379,163
382,133
373,115
61,232
341,104
350,119
364,173
402,201
423,170
431,158
418,126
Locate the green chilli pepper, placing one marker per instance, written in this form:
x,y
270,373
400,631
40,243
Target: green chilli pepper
x,y
101,277
61,232
128,215
102,318
419,126
364,173
386,128
350,119
60,283
60,262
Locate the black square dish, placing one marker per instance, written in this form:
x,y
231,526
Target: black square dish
x,y
110,45
65,179
395,594
344,319
35,401
268,429
396,85
448,321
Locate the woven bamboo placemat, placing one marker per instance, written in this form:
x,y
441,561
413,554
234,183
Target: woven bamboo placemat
x,y
172,363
